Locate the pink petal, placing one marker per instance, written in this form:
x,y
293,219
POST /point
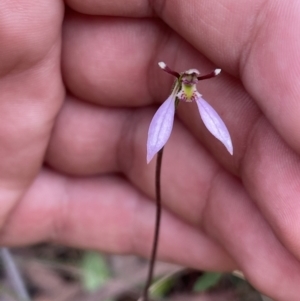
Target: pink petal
x,y
214,123
160,127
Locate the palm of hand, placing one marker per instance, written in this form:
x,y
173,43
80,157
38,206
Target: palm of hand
x,y
63,156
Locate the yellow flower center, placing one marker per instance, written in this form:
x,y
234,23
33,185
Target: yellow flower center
x,y
188,93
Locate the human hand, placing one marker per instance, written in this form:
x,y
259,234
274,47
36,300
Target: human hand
x,y
73,168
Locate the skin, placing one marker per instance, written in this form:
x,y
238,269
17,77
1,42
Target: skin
x,y
77,96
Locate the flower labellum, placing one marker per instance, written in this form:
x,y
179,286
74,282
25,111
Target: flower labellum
x,y
185,90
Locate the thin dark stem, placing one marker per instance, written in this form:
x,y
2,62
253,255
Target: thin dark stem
x,y
170,71
167,69
157,225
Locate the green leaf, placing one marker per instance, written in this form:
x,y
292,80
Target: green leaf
x,y
95,271
161,287
207,281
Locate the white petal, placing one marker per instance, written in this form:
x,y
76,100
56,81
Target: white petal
x,y
214,123
162,65
160,127
217,71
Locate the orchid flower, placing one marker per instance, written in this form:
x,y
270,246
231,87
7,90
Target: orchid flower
x,y
185,90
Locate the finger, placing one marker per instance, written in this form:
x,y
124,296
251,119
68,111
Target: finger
x,y
271,171
31,91
133,8
87,139
267,264
106,81
26,34
108,214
